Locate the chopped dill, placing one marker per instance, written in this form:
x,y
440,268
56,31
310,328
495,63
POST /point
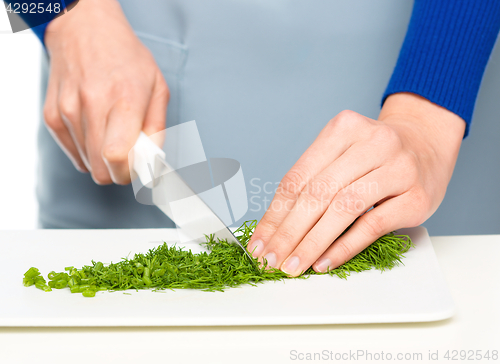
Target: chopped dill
x,y
171,267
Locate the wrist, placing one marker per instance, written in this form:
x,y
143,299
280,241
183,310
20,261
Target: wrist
x,y
88,13
425,126
402,106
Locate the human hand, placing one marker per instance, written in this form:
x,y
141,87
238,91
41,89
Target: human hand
x,y
399,164
104,88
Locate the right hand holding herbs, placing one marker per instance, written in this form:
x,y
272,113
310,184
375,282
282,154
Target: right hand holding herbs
x,y
104,89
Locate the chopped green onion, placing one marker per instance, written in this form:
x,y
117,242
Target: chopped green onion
x,y
139,267
60,284
32,272
98,266
136,282
43,286
159,272
88,293
28,281
53,276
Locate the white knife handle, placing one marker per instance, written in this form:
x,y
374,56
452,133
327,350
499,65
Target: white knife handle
x,y
144,154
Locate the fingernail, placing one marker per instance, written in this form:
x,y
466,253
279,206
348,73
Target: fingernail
x,y
290,265
323,265
271,259
256,248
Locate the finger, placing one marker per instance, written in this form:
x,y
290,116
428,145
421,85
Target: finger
x,y
310,164
347,206
316,197
70,111
58,129
388,216
156,114
125,122
92,129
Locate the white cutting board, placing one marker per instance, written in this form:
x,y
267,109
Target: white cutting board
x,y
409,293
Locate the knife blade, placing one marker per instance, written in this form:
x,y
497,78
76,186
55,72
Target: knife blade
x,y
175,198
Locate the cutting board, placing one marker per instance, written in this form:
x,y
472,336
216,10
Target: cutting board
x,y
410,293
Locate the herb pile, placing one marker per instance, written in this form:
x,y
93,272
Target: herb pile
x,y
225,266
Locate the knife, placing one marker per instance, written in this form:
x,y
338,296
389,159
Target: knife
x,y
173,196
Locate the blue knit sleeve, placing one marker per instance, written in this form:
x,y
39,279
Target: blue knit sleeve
x,y
39,30
445,52
38,21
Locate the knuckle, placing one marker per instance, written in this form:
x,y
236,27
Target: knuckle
x,y
314,244
115,153
68,107
347,116
53,119
421,207
269,223
374,225
121,180
349,201
320,189
420,199
127,95
345,121
277,206
293,182
284,236
351,123
101,178
163,90
387,136
346,249
124,104
90,96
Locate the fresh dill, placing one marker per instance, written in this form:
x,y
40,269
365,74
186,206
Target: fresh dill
x,y
225,266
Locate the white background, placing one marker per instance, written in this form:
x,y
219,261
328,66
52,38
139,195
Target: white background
x,y
19,115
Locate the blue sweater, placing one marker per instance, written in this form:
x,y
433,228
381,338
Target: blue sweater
x,y
444,54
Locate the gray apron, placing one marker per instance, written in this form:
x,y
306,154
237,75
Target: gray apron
x,y
261,78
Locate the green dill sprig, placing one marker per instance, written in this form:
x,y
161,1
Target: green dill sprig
x,y
225,266
383,254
